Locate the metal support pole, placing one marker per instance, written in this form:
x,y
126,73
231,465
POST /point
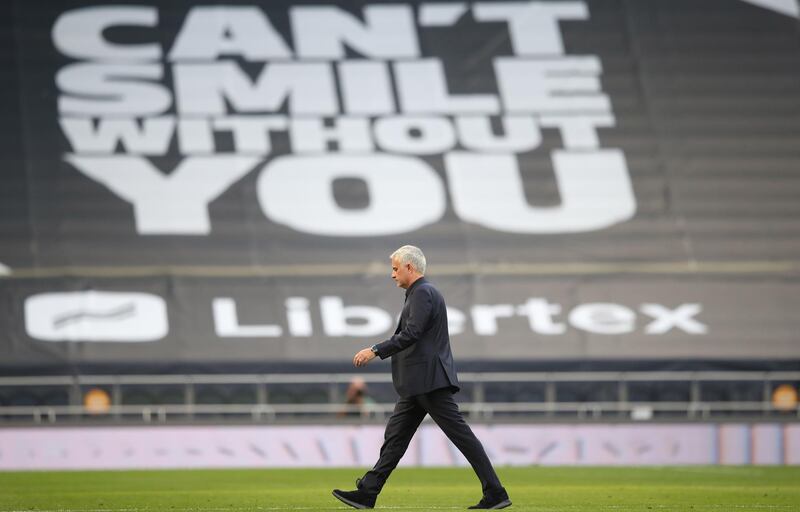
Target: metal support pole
x,y
75,395
116,398
694,392
622,396
766,399
479,393
189,398
478,397
550,396
262,393
334,394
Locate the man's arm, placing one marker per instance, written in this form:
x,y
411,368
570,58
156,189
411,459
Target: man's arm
x,y
419,314
420,310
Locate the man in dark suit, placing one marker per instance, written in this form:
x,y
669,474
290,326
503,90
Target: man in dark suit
x,y
424,376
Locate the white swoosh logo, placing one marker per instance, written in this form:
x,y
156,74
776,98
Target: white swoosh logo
x,y
96,316
120,313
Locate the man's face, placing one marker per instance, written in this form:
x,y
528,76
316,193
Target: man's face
x,y
402,273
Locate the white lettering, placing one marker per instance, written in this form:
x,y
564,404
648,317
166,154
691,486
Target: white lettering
x,y
79,33
298,317
93,89
151,136
680,317
578,132
603,318
456,320
297,192
388,31
226,322
166,204
595,192
533,26
415,135
251,133
195,136
484,317
336,317
211,31
366,87
540,314
559,86
422,89
204,88
310,135
520,134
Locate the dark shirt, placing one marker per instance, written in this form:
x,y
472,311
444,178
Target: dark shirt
x,y
422,360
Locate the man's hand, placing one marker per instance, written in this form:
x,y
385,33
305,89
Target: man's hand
x,y
363,357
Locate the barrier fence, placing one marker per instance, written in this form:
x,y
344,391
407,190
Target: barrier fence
x,y
319,397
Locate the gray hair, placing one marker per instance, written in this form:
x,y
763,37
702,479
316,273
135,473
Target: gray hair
x,y
411,254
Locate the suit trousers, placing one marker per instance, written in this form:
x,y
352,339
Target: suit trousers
x,y
406,418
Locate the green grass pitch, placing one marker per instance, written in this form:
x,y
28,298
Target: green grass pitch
x,y
573,489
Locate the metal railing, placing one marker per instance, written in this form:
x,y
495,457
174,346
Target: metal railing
x,y
263,410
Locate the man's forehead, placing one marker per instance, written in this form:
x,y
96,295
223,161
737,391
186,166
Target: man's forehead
x,y
396,262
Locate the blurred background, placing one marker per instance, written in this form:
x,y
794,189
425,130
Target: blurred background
x,y
198,203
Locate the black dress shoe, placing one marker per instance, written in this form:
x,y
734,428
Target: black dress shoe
x,y
356,499
493,502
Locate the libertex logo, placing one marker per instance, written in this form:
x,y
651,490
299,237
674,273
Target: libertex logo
x,y
96,316
387,119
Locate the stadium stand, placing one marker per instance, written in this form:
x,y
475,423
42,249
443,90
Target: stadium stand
x,y
196,209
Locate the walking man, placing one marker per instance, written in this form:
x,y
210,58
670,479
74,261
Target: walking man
x,y
424,376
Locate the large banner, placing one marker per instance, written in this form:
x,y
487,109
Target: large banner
x,y
200,182
91,448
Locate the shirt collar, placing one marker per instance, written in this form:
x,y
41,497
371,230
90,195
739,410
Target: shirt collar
x,y
414,285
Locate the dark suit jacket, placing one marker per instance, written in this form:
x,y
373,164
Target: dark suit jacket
x,y
420,348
